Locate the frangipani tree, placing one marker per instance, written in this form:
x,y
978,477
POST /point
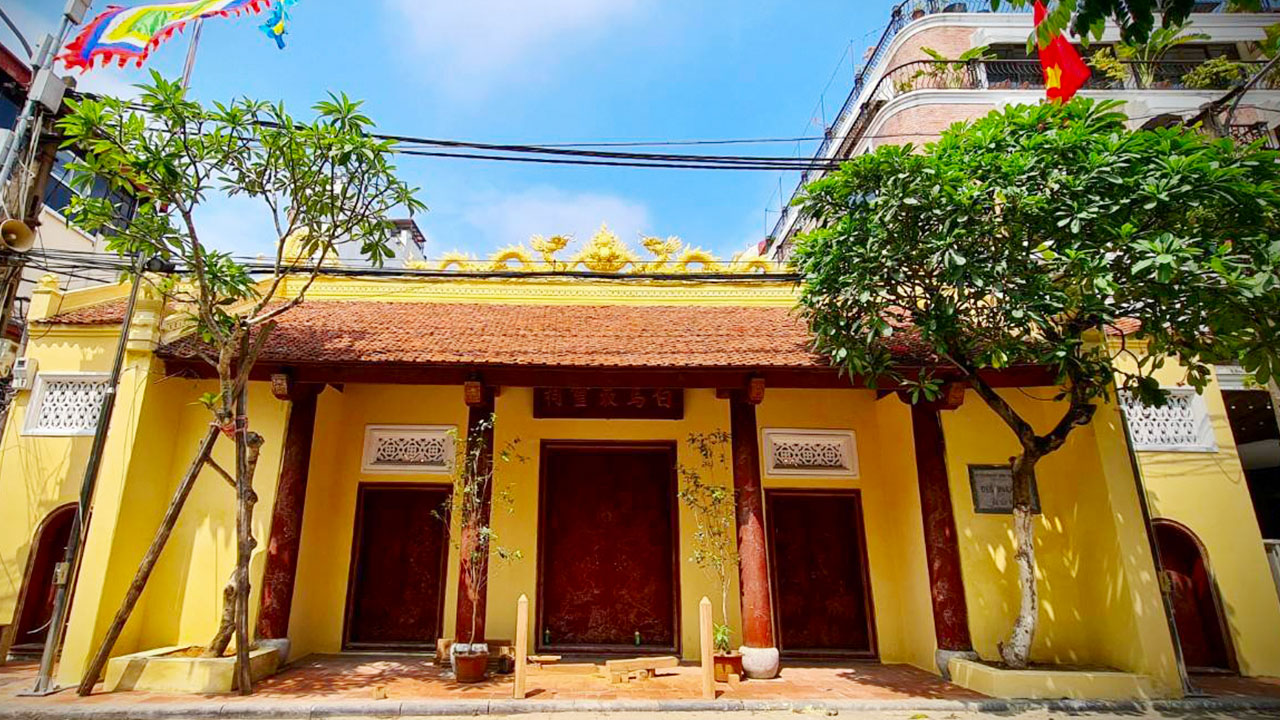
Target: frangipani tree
x,y
1019,240
327,183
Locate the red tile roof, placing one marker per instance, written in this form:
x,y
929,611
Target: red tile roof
x,y
106,313
618,336
1124,326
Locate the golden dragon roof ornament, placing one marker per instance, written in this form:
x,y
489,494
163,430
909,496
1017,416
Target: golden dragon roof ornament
x,y
604,253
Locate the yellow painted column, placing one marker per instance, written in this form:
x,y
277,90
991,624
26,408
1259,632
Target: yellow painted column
x,y
126,505
1149,649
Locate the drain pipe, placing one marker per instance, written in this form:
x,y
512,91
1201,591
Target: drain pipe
x,y
1188,689
65,571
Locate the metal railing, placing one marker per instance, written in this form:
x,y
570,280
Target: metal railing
x,y
907,11
997,75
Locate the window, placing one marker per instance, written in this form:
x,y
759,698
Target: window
x,y
810,453
65,404
1180,426
60,189
409,449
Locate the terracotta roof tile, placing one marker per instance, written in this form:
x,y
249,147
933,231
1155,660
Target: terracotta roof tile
x,y
1124,326
105,313
621,336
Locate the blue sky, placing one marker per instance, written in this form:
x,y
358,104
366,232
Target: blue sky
x,y
542,71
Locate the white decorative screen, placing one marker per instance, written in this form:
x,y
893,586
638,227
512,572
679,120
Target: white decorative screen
x,y
409,449
812,453
1180,426
65,404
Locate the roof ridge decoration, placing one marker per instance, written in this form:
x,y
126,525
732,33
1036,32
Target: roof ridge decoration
x,y
603,253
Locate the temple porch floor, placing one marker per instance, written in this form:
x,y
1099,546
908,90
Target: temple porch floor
x,y
371,679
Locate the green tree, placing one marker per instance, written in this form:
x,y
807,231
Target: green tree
x,y
1018,240
327,183
712,504
1135,18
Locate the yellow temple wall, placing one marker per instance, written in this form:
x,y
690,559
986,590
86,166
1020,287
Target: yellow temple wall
x,y
890,496
1099,598
41,473
328,524
1207,493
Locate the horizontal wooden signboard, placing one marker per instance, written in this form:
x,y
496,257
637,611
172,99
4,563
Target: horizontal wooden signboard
x,y
609,403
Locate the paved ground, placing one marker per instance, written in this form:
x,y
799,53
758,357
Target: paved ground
x,y
386,686
382,677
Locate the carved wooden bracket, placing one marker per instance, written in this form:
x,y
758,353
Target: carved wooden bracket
x,y
473,393
281,385
753,393
952,397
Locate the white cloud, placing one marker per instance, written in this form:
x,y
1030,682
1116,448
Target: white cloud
x,y
470,45
512,218
108,81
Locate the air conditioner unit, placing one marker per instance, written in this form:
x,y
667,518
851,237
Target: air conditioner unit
x,y
24,373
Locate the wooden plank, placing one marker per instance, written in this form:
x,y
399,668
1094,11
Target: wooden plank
x,y
708,661
522,645
641,663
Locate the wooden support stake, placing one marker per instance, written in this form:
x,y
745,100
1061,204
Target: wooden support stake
x,y
708,662
148,564
522,645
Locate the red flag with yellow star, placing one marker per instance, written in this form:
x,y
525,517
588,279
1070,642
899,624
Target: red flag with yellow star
x,y
1064,71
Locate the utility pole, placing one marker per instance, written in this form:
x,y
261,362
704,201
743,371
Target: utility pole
x,y
45,91
44,94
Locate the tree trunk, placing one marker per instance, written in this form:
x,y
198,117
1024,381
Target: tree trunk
x,y
248,445
148,564
227,626
1274,388
1017,650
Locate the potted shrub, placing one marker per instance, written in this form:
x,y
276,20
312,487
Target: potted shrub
x,y
467,519
1217,73
715,543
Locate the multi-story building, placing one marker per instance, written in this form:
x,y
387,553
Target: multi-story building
x,y
904,93
1216,443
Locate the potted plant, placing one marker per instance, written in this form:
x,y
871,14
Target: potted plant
x,y
715,543
467,518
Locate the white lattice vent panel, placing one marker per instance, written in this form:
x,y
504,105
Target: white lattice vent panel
x,y
65,404
1180,426
810,453
409,449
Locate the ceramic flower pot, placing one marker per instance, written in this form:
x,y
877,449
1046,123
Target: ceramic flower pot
x,y
470,667
726,665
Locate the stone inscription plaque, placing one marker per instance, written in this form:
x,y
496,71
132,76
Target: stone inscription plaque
x,y
992,487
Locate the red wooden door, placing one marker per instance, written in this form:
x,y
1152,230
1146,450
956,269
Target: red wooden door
x,y
399,565
36,605
1201,629
607,557
822,601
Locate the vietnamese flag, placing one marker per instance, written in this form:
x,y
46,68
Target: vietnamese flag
x,y
1064,71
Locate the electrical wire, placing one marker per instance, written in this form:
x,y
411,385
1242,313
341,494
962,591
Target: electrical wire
x,y
17,33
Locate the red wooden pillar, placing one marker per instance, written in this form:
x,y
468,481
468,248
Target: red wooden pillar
x,y
474,599
942,550
759,651
286,516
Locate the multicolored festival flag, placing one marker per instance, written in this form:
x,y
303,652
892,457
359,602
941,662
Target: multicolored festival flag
x,y
1064,71
122,34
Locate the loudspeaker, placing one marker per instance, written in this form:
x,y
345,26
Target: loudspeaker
x,y
16,235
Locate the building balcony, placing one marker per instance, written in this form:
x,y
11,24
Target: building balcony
x,y
913,23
